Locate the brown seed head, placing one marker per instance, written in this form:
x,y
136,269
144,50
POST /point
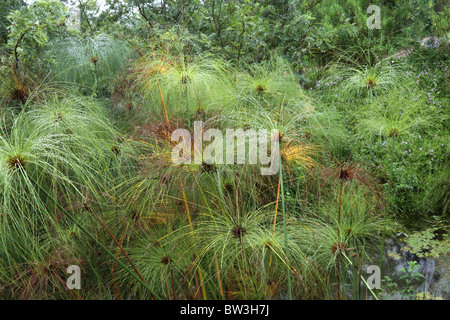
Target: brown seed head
x,y
166,260
16,162
238,231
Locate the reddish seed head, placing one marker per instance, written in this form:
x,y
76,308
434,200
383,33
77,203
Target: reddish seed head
x,y
166,260
337,248
16,162
238,231
371,83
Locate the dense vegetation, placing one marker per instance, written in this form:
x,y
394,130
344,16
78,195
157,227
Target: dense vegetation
x,y
87,179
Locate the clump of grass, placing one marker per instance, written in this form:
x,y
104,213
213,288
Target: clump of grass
x,y
394,115
367,78
272,82
352,229
21,89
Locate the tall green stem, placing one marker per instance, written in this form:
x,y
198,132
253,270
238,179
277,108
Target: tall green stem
x,y
284,226
382,250
339,239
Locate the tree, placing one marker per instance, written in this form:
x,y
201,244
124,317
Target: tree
x,y
30,26
6,7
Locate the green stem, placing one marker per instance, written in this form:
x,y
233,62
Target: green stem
x,y
382,248
284,225
186,94
365,282
339,238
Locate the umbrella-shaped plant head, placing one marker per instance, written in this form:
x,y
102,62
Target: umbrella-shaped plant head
x,y
396,114
248,256
91,63
83,125
271,82
186,83
163,258
359,80
292,121
361,230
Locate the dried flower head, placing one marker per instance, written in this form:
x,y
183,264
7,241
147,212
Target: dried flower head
x,y
59,117
348,171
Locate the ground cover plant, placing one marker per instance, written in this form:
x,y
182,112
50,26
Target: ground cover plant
x,y
98,99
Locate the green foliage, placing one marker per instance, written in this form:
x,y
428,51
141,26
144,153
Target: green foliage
x,y
31,25
440,24
7,6
85,147
366,79
410,277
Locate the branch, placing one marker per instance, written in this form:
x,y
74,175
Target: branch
x,y
16,55
82,8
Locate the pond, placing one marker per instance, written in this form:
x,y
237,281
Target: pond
x,y
431,279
